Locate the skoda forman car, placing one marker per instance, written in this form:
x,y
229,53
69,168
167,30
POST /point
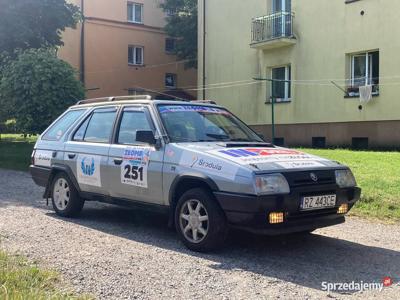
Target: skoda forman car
x,y
194,160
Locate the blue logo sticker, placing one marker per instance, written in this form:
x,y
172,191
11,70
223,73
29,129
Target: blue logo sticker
x,y
88,168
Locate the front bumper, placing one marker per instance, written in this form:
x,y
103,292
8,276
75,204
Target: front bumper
x,y
251,212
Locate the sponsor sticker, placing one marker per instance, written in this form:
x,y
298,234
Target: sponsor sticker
x,y
299,164
88,169
209,165
247,156
191,108
43,158
134,166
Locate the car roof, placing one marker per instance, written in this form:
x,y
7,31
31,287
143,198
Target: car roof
x,y
109,101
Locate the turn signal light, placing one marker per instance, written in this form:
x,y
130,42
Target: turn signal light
x,y
344,208
276,217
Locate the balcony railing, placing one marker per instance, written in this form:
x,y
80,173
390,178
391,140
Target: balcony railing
x,y
276,26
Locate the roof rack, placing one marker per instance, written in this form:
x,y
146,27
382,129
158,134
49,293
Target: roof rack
x,y
204,101
113,99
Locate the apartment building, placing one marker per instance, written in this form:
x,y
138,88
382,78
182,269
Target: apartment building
x,y
120,48
318,54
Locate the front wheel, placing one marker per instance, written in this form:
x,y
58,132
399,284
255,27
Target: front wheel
x,y
199,220
65,198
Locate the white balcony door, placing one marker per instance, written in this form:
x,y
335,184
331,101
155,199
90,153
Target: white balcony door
x,y
281,8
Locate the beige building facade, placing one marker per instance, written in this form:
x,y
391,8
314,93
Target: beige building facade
x,y
318,53
121,48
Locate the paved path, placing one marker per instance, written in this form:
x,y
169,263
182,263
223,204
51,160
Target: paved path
x,y
118,253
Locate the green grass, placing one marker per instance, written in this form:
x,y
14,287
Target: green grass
x,y
7,137
15,151
378,174
20,279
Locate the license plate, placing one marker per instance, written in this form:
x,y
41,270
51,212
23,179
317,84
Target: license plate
x,y
318,202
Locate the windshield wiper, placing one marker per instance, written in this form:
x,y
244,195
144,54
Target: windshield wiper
x,y
218,136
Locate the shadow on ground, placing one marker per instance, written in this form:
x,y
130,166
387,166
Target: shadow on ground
x,y
305,260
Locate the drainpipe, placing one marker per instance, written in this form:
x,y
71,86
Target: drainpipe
x,y
82,50
204,49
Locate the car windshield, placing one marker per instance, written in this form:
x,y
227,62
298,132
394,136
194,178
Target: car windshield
x,y
197,123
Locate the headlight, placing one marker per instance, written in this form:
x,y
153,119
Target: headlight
x,y
271,184
345,178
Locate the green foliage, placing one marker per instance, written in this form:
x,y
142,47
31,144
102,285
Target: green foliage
x,y
182,25
34,24
36,87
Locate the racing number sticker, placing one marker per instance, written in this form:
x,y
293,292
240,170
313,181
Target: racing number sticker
x,y
134,166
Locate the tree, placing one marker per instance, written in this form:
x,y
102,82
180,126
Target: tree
x,y
182,25
36,87
34,23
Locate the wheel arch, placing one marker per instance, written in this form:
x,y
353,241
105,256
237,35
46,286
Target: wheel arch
x,y
55,169
185,182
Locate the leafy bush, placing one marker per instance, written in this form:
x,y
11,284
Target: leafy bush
x,y
35,88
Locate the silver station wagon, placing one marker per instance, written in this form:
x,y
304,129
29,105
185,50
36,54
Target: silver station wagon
x,y
194,160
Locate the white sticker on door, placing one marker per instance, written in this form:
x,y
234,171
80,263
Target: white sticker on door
x,y
43,158
134,166
88,169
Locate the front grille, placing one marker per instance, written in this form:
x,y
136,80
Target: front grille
x,y
305,178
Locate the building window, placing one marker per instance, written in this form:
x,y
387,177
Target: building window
x,y
364,71
135,55
280,86
170,80
135,12
170,45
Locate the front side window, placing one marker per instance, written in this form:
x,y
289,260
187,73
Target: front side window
x,y
364,70
135,55
98,127
170,80
135,12
195,123
280,86
133,120
57,130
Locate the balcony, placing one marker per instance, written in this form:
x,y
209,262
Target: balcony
x,y
273,31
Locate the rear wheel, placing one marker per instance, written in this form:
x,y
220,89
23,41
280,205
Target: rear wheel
x,y
65,198
199,220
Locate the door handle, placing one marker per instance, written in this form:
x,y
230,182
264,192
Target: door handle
x,y
71,155
117,161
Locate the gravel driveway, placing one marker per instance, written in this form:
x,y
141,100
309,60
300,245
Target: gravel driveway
x,y
117,253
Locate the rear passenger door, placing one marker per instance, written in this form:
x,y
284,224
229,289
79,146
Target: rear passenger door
x,y
87,152
136,168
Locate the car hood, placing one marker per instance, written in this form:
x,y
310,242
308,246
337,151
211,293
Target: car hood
x,y
259,157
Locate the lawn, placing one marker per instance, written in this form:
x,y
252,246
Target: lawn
x,y
15,151
20,279
378,174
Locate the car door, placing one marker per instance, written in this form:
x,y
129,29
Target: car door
x,y
136,167
87,151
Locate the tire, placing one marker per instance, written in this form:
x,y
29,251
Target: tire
x,y
204,229
65,198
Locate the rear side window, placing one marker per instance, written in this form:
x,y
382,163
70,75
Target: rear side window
x,y
98,127
57,130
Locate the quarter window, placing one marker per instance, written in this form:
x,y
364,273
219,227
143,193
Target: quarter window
x,y
58,129
135,55
132,121
98,127
280,86
135,12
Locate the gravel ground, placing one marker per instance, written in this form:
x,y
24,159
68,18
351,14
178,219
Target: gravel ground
x,y
114,253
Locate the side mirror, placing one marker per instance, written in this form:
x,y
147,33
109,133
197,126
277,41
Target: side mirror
x,y
147,137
